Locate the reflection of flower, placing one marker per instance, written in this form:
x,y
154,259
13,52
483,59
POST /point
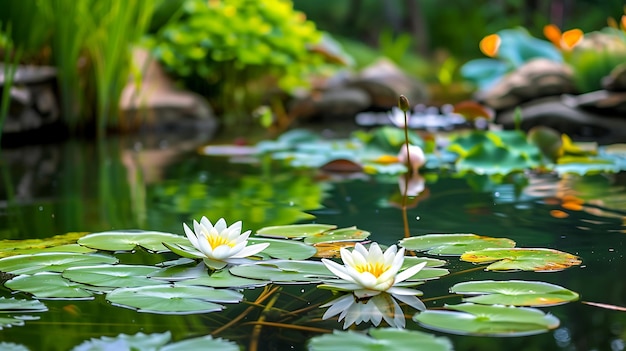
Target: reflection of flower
x,y
382,306
368,273
414,157
221,242
411,184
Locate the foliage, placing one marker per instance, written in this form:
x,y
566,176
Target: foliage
x,y
228,46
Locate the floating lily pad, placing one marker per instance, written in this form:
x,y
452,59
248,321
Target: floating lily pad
x,y
380,339
127,240
9,346
161,342
18,247
284,271
294,230
285,249
21,305
335,235
10,322
526,259
114,276
173,299
51,262
430,262
483,320
46,285
514,292
186,269
224,279
453,244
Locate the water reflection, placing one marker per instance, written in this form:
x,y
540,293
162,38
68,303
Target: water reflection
x,y
384,306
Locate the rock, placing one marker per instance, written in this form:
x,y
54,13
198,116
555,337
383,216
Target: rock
x,y
560,114
337,102
33,102
616,80
600,101
536,79
385,82
158,105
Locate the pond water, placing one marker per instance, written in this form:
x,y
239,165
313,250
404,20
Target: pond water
x,y
120,184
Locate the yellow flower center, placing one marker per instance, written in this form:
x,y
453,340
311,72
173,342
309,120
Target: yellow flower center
x,y
217,240
376,268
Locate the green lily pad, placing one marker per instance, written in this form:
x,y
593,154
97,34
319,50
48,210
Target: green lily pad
x,y
180,271
21,305
9,346
46,285
114,276
7,322
514,292
19,247
157,341
380,339
285,249
294,230
51,262
173,299
335,235
224,279
526,259
483,320
430,262
453,244
127,240
282,271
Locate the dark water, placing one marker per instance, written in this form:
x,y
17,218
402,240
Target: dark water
x,y
55,189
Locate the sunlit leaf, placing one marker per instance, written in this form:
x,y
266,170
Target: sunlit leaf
x,y
126,240
526,259
47,285
224,279
380,339
285,249
335,235
284,271
173,299
453,244
21,305
294,230
330,250
514,292
484,320
51,262
115,276
18,247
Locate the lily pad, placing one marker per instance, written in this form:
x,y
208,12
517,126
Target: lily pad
x,y
285,249
526,259
161,342
21,305
6,322
335,235
380,339
453,244
224,279
9,346
282,271
173,299
18,247
114,276
294,230
127,240
430,262
514,292
483,320
46,285
180,271
51,262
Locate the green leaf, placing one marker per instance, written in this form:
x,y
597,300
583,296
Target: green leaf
x,y
114,276
294,230
284,271
514,292
453,244
51,262
127,240
202,343
224,279
46,285
481,320
20,305
139,341
19,247
380,339
173,299
285,249
9,346
343,234
526,259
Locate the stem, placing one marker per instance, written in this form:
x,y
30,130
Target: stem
x,y
405,218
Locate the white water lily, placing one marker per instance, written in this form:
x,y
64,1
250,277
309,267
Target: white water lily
x,y
369,272
221,242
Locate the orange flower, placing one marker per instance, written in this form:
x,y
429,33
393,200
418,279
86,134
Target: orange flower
x,y
489,45
564,41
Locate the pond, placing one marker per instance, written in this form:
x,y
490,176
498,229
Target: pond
x,y
120,184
